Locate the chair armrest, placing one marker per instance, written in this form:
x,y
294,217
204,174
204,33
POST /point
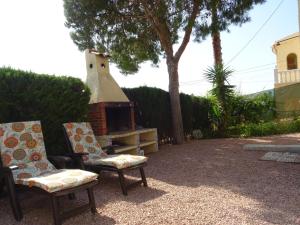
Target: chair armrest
x,y
14,167
6,173
76,154
77,158
6,170
109,150
60,162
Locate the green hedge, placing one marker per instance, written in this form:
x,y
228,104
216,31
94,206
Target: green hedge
x,y
53,100
152,107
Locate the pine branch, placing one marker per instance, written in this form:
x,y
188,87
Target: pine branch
x,y
188,30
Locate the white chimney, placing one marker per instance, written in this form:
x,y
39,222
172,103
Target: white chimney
x,y
102,85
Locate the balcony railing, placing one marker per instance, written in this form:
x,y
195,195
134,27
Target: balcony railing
x,y
286,76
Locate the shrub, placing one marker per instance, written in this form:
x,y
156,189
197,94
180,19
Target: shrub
x,y
252,109
53,100
266,128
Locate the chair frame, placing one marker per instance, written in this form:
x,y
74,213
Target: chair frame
x,y
77,157
6,174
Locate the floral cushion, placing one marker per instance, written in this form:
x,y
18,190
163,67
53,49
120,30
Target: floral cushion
x,y
32,169
22,144
82,139
56,180
119,161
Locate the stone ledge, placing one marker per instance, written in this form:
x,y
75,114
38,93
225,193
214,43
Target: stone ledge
x,y
273,148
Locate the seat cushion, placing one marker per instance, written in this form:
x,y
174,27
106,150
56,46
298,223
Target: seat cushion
x,y
118,161
58,180
32,169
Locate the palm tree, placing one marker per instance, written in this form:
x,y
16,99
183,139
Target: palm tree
x,y
222,90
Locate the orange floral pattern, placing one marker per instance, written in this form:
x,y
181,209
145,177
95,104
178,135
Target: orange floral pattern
x,y
79,131
24,175
22,144
35,156
36,128
18,127
82,139
89,139
6,159
77,137
19,154
1,132
25,137
31,143
11,142
96,155
79,148
69,125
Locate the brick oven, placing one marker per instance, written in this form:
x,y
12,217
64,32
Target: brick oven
x,y
110,110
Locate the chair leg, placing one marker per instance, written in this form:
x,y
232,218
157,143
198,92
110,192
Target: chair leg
x,y
55,210
92,203
14,201
122,182
143,177
1,185
71,196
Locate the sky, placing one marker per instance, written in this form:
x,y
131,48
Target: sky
x,y
33,37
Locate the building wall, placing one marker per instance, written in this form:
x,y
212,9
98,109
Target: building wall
x,y
287,100
284,48
287,82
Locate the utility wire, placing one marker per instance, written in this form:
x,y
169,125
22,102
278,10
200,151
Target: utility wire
x,y
192,82
245,70
255,67
256,33
253,71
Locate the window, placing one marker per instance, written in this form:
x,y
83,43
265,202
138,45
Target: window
x,y
292,61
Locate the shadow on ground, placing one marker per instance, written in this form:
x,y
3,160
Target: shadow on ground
x,y
222,163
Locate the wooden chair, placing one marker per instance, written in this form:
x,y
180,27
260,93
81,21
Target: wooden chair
x,y
86,151
24,164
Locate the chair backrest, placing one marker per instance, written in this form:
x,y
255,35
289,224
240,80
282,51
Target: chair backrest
x,y
82,139
22,143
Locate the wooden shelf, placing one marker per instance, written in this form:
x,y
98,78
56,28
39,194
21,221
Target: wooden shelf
x,y
132,141
120,149
150,148
121,134
146,143
146,130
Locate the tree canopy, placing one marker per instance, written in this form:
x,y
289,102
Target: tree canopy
x,y
218,15
132,31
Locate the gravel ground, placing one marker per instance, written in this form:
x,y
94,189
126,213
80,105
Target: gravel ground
x,y
200,182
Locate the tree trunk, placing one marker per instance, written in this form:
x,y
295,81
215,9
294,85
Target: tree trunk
x,y
175,100
216,42
216,39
